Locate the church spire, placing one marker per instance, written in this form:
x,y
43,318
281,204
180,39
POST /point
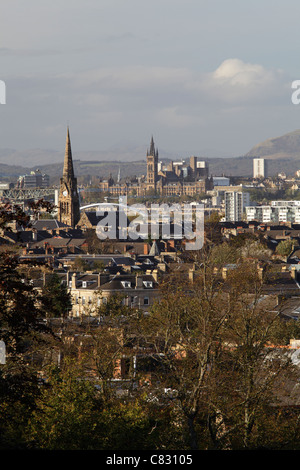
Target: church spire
x,y
68,199
68,170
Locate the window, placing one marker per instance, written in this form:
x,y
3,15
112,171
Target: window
x,y
83,300
146,300
126,284
104,300
84,284
148,283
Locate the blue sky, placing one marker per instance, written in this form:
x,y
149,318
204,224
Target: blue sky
x,y
204,77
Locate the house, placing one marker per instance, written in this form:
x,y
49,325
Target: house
x,y
92,290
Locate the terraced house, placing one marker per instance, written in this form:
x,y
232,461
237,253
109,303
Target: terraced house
x,y
91,291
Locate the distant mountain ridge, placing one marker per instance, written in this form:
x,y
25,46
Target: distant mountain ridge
x,y
283,153
285,146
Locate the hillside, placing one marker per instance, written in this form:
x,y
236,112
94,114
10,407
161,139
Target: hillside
x,y
285,146
282,152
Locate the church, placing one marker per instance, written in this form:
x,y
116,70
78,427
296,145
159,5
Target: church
x,y
68,199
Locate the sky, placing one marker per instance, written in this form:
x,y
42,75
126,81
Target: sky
x,y
208,78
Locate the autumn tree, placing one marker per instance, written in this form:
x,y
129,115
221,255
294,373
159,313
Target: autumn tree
x,y
184,331
248,369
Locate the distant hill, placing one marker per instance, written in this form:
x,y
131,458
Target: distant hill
x,y
285,146
282,152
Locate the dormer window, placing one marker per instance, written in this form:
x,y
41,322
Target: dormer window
x,y
148,284
84,284
126,284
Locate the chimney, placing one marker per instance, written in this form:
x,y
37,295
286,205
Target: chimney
x,y
138,282
74,281
191,275
260,271
102,279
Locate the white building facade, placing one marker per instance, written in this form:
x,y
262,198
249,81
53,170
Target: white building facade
x,y
277,211
259,168
235,204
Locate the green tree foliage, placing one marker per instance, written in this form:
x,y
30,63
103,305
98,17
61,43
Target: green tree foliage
x,y
25,336
81,264
56,300
285,247
71,415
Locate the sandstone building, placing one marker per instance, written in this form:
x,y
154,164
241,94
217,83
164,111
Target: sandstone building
x,y
68,199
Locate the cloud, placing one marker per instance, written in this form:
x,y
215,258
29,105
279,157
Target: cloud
x,y
139,100
238,73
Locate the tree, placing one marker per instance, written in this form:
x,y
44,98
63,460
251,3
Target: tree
x,y
67,411
285,247
185,331
25,336
56,300
71,415
81,265
215,343
255,368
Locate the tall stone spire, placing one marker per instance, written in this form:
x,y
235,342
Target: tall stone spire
x,y
68,199
68,170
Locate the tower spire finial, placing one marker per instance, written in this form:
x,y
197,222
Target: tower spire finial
x,y
68,161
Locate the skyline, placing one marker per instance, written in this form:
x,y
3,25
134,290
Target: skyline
x,y
204,78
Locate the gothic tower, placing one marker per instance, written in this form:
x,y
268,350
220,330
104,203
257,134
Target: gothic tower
x,y
68,199
152,160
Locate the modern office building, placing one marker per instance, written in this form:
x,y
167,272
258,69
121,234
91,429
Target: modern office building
x,y
35,179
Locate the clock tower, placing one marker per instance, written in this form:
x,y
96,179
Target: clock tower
x,y
68,200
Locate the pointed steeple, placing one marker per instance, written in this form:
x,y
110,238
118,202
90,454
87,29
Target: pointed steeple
x,y
68,199
152,148
68,170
